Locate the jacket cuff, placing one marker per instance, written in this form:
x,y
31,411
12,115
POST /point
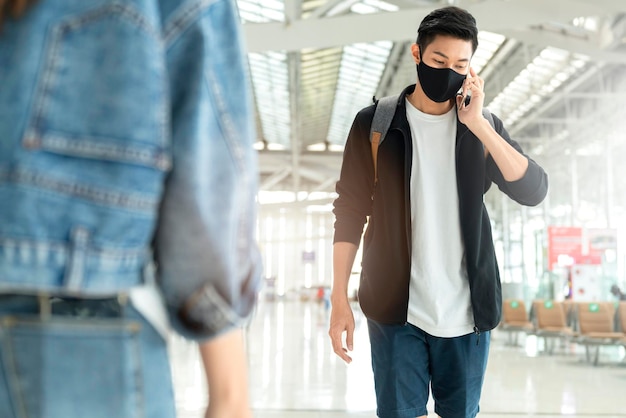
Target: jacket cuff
x,y
207,314
532,187
348,232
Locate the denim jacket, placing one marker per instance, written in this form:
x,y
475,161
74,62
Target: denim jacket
x,y
126,137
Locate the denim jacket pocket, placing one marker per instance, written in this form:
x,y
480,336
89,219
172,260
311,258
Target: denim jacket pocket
x,y
94,154
98,64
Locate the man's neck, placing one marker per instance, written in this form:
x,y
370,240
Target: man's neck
x,y
422,103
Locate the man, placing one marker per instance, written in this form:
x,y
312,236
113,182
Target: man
x,y
126,161
429,285
617,292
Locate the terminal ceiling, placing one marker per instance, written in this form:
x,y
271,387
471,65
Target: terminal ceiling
x,y
554,70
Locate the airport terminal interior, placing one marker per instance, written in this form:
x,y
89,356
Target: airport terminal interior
x,y
555,74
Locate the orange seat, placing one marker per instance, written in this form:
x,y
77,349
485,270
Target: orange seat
x,y
551,322
596,319
515,319
597,326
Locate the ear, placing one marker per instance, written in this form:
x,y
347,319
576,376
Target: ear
x,y
415,52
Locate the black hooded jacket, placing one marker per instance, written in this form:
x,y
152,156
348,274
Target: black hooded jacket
x,y
386,264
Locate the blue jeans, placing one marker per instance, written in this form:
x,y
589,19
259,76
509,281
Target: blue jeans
x,y
80,358
406,360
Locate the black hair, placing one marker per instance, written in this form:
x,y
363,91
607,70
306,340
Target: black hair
x,y
452,21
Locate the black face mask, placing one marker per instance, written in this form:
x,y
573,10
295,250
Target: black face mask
x,y
439,84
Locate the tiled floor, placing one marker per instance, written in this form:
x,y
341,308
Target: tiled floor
x,y
295,374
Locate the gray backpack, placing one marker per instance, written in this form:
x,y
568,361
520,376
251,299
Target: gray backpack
x,y
385,109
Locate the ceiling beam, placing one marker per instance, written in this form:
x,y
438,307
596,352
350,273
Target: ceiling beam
x,y
298,204
317,167
492,15
275,178
312,175
293,10
555,99
294,99
328,185
396,56
328,6
542,38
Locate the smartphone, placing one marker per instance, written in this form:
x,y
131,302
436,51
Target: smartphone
x,y
466,99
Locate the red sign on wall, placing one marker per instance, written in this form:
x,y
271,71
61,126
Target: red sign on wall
x,y
571,245
565,245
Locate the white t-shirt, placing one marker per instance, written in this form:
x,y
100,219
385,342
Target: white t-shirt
x,y
439,296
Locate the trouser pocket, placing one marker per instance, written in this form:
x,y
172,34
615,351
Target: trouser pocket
x,y
66,367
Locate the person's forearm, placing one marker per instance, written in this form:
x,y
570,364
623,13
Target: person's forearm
x,y
225,365
511,163
344,254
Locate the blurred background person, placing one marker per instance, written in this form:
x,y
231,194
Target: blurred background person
x,y
617,292
127,205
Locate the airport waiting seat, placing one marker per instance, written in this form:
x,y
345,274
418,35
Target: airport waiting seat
x,y
515,319
551,323
597,327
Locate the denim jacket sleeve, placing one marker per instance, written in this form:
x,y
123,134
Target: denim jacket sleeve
x,y
207,260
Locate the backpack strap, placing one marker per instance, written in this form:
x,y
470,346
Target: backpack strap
x,y
383,114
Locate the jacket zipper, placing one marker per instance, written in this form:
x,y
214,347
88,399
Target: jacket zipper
x,y
477,332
